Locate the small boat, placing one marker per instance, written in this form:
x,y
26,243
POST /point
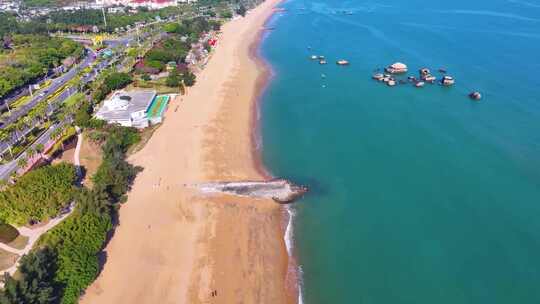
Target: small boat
x,y
321,57
411,78
397,68
322,61
429,78
378,76
419,84
342,62
314,57
424,72
386,79
391,82
475,96
447,81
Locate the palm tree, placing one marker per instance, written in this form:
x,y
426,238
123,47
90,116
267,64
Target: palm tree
x,y
31,152
39,148
22,162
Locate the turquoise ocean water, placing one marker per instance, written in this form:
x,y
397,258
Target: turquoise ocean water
x,y
417,195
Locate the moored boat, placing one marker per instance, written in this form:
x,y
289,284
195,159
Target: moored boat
x,y
447,81
322,61
419,84
429,78
342,62
378,76
391,82
397,68
424,72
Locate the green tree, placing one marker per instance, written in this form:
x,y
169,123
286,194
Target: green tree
x,y
189,78
173,80
22,162
39,148
241,10
83,114
36,284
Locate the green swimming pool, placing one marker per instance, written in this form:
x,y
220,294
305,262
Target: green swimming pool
x,y
158,106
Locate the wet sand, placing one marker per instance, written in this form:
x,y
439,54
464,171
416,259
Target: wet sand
x,y
174,245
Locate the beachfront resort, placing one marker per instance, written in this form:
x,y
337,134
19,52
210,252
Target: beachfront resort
x,y
137,109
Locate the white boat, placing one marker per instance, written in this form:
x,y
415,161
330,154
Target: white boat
x,y
322,61
314,57
378,76
430,78
447,81
342,62
397,68
419,84
391,82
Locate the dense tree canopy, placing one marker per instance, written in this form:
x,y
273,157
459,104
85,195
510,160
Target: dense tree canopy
x,y
38,195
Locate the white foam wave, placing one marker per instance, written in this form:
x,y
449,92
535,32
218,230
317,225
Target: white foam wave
x,y
289,231
300,286
289,245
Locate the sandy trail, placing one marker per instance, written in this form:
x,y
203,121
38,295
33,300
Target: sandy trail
x,y
174,245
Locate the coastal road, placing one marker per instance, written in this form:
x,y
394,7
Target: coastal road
x,y
7,168
54,86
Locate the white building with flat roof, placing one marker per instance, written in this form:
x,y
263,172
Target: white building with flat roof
x,y
128,109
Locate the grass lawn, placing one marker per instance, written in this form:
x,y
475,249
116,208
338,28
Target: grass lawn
x,y
7,259
19,243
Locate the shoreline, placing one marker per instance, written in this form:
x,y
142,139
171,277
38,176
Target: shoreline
x,y
176,245
293,275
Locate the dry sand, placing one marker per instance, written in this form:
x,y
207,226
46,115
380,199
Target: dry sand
x,y
174,245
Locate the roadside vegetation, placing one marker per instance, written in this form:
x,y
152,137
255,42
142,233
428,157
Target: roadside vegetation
x,y
29,57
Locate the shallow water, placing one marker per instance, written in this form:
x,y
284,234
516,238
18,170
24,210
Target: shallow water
x,y
418,195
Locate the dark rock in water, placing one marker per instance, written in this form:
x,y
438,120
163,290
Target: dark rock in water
x,y
280,190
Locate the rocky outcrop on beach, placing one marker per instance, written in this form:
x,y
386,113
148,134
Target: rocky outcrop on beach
x,y
280,190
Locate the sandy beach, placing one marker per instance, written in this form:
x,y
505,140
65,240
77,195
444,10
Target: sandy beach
x,y
176,245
